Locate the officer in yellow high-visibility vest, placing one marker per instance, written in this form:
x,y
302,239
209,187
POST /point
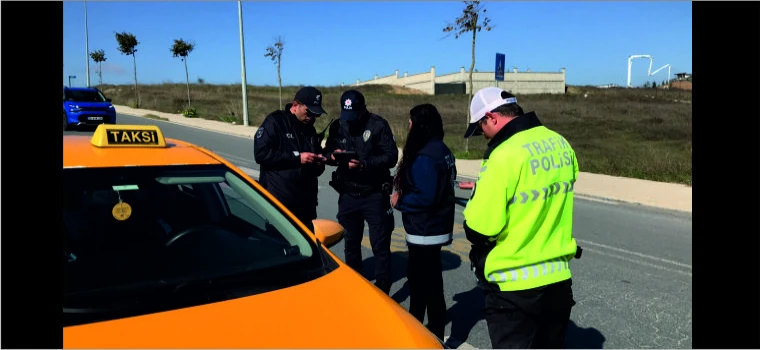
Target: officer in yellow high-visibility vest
x,y
519,220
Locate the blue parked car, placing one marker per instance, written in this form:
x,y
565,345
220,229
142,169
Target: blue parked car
x,y
86,106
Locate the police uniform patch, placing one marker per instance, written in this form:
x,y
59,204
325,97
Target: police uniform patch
x,y
366,135
259,133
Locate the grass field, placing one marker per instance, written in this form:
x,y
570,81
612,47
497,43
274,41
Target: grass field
x,y
639,133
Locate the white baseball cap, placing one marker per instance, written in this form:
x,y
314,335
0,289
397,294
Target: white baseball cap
x,y
484,101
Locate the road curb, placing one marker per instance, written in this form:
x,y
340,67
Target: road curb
x,y
627,202
187,125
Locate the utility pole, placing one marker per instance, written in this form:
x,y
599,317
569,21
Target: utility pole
x,y
242,64
86,44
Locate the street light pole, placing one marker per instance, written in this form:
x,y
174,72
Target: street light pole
x,y
242,64
86,44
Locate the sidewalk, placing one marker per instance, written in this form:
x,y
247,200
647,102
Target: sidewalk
x,y
591,186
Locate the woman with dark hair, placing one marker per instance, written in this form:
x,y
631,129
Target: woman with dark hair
x,y
424,194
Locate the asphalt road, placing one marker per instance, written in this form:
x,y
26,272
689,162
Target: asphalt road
x,y
632,285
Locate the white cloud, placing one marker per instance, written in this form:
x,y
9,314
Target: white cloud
x,y
108,68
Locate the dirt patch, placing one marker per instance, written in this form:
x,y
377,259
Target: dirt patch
x,y
683,85
400,90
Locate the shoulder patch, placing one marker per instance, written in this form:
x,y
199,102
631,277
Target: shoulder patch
x,y
259,132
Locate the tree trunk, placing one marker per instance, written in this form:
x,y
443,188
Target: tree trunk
x,y
469,100
187,82
279,80
100,73
137,92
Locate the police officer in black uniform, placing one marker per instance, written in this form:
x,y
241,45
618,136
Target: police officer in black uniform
x,y
289,153
364,183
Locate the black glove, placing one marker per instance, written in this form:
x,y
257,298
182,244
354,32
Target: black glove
x,y
476,266
478,254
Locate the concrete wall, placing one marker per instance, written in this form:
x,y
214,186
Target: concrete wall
x,y
422,81
517,82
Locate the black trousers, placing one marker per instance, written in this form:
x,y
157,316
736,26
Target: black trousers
x,y
375,208
529,319
305,215
425,276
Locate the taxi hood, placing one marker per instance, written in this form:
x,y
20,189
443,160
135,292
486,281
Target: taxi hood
x,y
338,310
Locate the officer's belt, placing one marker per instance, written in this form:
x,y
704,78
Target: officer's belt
x,y
357,190
353,189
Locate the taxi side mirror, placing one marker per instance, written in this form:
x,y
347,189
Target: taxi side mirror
x,y
108,100
328,232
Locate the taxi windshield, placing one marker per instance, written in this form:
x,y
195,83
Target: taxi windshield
x,y
136,233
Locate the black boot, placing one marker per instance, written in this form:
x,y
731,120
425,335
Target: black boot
x,y
385,286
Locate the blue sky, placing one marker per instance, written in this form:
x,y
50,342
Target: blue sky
x,y
327,43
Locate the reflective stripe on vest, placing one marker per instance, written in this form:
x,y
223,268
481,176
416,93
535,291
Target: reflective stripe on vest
x,y
530,271
524,197
429,240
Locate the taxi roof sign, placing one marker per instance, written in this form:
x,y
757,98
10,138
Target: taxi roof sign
x,y
128,136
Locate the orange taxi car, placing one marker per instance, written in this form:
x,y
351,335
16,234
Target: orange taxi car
x,y
167,245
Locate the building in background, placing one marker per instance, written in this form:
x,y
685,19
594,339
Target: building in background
x,y
683,76
458,83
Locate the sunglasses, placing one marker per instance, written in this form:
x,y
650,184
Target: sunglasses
x,y
481,121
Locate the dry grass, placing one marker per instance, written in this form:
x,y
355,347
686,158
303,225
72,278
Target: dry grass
x,y
640,133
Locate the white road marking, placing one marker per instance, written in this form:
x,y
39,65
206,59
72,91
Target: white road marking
x,y
640,262
676,263
600,251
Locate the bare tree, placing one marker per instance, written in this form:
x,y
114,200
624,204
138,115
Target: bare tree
x,y
473,19
99,56
182,49
275,53
128,46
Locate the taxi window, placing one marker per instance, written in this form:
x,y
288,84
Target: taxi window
x,y
131,230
